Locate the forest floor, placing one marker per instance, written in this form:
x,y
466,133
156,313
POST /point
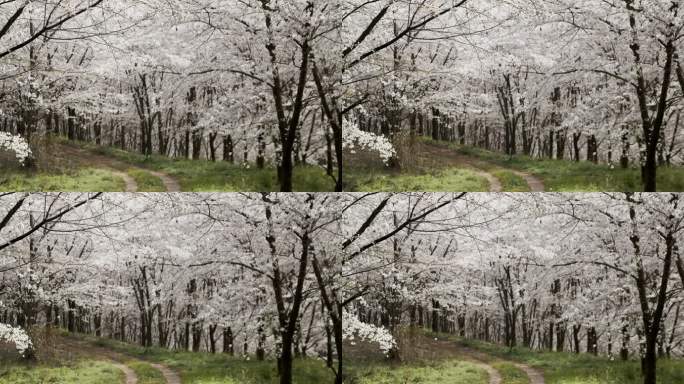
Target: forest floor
x,y
429,166
67,360
433,359
79,359
577,176
63,166
74,166
209,176
136,179
425,356
439,166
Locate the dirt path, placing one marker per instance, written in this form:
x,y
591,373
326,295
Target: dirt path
x,y
86,158
494,183
130,376
80,348
170,376
536,377
440,156
83,348
494,375
535,183
170,183
131,184
436,348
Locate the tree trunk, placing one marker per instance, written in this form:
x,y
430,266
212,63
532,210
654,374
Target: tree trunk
x,y
228,341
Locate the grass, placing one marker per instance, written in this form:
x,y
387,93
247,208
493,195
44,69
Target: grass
x,y
510,374
146,181
557,175
452,372
436,351
80,372
206,368
87,179
428,170
569,368
510,182
425,358
220,176
566,176
146,373
451,179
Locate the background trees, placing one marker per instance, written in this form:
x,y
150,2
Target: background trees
x,y
586,273
254,274
293,275
559,80
297,83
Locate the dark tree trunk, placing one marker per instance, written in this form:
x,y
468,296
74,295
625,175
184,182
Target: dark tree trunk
x,y
575,337
228,341
212,338
228,154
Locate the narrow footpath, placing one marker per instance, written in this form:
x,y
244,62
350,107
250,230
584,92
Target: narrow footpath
x,y
118,168
440,156
86,349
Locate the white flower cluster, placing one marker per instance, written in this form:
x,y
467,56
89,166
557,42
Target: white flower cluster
x,y
16,144
354,136
354,328
17,336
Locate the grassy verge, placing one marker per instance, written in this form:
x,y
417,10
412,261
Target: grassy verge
x,y
564,175
452,179
425,358
99,180
146,181
510,374
510,182
146,373
204,368
431,171
80,372
569,368
452,372
209,176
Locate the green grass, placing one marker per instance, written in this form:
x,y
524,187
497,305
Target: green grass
x,y
566,176
510,374
146,181
208,176
510,182
81,372
206,368
452,179
146,373
90,180
429,173
569,368
452,372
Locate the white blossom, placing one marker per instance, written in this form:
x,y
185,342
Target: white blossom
x,y
16,144
18,336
